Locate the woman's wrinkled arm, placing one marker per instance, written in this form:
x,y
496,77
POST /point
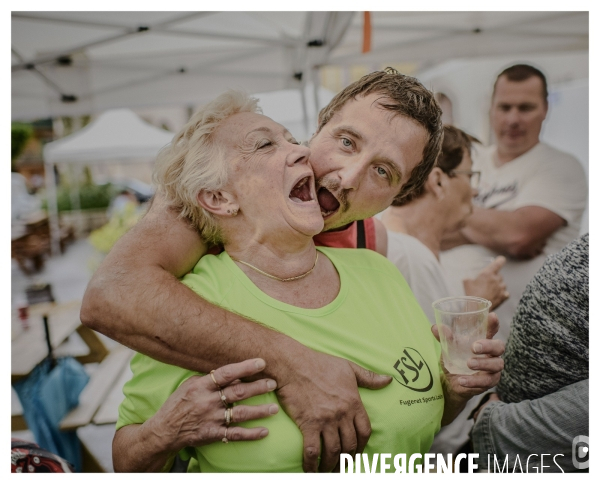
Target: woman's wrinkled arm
x,y
135,449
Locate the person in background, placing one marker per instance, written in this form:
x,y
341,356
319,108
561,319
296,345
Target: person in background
x,y
446,106
123,213
376,141
416,228
531,196
126,198
417,225
542,403
526,435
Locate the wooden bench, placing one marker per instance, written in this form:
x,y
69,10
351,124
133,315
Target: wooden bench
x,y
101,383
108,413
17,421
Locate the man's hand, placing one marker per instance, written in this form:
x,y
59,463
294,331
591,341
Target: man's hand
x,y
322,398
489,284
458,389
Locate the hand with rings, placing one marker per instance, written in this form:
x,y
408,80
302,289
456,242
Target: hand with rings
x,y
201,410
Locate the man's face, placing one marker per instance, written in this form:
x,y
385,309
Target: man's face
x,y
361,158
518,111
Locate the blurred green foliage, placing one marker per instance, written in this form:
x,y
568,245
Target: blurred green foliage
x,y
90,196
19,136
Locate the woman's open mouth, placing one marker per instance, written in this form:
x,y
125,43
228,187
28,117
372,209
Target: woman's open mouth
x,y
302,192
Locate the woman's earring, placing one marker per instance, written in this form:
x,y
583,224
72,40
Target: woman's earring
x,y
234,212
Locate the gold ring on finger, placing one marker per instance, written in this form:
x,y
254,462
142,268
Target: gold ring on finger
x,y
223,398
212,375
228,416
224,439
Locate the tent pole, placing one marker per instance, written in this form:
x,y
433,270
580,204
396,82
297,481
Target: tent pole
x,y
74,172
74,193
52,208
305,111
316,84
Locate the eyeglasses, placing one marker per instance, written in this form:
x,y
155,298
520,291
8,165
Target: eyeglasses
x,y
474,176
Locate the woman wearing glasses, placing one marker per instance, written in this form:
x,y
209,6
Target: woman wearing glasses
x,y
417,228
415,233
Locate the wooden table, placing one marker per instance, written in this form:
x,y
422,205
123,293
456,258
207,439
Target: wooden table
x,y
29,250
38,223
29,347
31,241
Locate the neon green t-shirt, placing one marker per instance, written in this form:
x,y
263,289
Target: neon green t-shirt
x,y
375,321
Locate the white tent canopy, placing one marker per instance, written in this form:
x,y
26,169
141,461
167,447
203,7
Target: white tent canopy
x,y
432,37
78,63
116,135
286,107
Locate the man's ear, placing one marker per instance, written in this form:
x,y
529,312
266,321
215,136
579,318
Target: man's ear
x,y
436,183
217,202
546,107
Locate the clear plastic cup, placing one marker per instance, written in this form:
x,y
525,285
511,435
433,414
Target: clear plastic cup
x,y
461,321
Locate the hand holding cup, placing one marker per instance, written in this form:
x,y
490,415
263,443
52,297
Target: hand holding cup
x,y
480,364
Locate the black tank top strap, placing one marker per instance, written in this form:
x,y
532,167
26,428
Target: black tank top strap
x,y
361,241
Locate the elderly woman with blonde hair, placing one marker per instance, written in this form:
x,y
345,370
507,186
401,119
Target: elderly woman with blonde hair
x,y
246,184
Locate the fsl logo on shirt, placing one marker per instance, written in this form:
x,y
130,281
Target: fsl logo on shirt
x,y
413,371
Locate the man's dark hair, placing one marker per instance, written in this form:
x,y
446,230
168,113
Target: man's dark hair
x,y
456,142
402,95
522,72
454,145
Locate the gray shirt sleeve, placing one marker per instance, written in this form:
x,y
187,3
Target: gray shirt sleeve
x,y
508,434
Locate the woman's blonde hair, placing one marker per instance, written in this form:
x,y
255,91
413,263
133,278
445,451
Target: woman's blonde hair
x,y
193,162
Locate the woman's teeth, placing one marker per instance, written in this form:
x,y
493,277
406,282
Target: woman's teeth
x,y
301,192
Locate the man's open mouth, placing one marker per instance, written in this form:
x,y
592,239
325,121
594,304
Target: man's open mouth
x,y
301,192
327,201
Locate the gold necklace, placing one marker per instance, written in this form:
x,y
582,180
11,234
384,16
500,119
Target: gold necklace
x,y
288,279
